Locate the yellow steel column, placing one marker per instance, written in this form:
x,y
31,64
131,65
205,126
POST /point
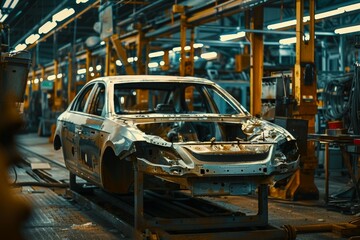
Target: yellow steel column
x,y
305,95
71,87
181,9
141,51
57,88
256,61
88,65
302,185
35,86
107,57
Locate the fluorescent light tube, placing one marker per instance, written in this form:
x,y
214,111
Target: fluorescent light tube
x,y
32,38
156,54
228,37
346,30
328,14
209,55
47,27
63,14
351,7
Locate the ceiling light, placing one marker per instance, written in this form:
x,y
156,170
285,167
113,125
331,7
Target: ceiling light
x,y
20,47
32,38
153,65
59,75
198,45
81,71
4,17
98,67
63,14
292,40
228,37
6,4
346,30
47,27
81,1
329,14
209,55
51,77
282,24
13,4
118,62
351,7
287,41
176,49
156,54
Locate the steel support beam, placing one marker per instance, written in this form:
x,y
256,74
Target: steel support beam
x,y
256,60
88,65
57,88
302,185
121,52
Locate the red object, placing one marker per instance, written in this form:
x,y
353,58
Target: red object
x,y
335,124
357,141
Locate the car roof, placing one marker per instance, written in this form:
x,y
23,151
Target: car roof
x,y
152,78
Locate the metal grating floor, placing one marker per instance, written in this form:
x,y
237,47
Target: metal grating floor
x,y
55,217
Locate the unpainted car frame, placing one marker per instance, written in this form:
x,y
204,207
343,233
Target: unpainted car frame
x,y
182,130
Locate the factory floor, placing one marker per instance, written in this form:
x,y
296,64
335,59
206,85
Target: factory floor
x,y
56,217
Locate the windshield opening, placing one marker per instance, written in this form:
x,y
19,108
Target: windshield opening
x,y
172,98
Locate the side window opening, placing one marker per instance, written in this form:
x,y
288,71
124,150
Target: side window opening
x,y
98,104
82,102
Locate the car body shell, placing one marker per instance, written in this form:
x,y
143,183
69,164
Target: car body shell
x,y
104,147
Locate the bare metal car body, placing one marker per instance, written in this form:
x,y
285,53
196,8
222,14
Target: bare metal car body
x,y
183,130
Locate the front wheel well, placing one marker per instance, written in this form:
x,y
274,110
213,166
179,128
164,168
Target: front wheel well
x,y
117,174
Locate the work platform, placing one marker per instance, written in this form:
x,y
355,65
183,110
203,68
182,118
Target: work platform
x,y
58,217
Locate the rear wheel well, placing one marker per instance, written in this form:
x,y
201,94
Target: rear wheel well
x,y
117,174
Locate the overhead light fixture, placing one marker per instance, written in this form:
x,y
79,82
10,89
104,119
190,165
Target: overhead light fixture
x,y
20,47
13,4
209,55
329,14
156,54
351,7
63,14
102,43
81,1
81,71
228,37
32,38
162,63
2,19
153,65
287,41
292,40
98,67
51,77
346,30
198,45
118,62
6,4
318,16
281,24
47,27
